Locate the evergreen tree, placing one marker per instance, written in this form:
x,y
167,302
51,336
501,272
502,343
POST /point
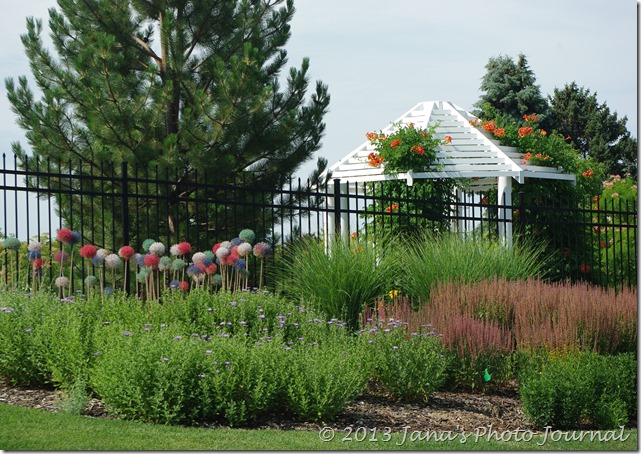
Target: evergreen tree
x,y
509,88
182,88
593,129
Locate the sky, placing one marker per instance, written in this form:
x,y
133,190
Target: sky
x,y
381,58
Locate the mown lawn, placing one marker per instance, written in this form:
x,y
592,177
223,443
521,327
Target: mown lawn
x,y
37,430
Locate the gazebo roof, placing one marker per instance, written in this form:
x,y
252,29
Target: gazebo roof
x,y
472,154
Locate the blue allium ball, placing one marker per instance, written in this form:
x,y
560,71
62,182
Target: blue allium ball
x,y
236,241
174,284
75,237
193,270
97,261
207,261
108,291
32,255
240,264
141,260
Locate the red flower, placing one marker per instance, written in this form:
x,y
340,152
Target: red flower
x,y
584,268
152,261
544,132
524,131
484,201
395,143
126,252
88,251
184,248
418,149
588,173
184,286
65,236
37,264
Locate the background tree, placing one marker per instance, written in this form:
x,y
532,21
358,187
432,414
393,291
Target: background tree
x,y
509,87
593,129
179,88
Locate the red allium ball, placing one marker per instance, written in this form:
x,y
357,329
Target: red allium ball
x,y
201,267
60,256
184,286
65,236
152,261
230,260
234,250
184,248
37,264
211,269
215,248
88,251
126,252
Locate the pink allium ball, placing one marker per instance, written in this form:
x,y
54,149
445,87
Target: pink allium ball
x,y
152,261
126,252
88,251
65,236
60,256
184,248
184,286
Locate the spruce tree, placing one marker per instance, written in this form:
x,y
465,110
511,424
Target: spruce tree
x,y
510,88
593,129
185,89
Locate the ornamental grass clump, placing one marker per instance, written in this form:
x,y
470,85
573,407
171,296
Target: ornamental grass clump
x,y
337,279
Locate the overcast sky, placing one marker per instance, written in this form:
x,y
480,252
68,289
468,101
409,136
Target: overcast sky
x,y
380,58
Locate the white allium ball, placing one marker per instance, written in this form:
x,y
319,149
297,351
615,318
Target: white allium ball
x,y
226,244
112,261
62,281
157,249
244,249
102,253
174,250
222,252
198,257
34,246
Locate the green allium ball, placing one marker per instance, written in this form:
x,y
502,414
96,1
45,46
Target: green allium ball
x,y
165,263
247,235
145,244
11,243
210,255
91,281
217,279
177,265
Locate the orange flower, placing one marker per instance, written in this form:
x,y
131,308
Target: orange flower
x,y
484,201
395,206
539,155
448,139
584,268
392,207
353,235
499,132
544,132
474,122
489,126
418,149
527,156
395,143
588,173
375,160
524,131
529,118
371,136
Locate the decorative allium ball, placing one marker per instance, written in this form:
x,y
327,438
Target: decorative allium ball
x,y
75,237
184,248
102,253
97,261
217,279
244,249
215,247
165,263
234,250
198,257
226,244
140,260
174,250
62,281
240,264
147,243
108,291
230,260
208,261
152,261
262,249
91,281
134,258
177,264
65,236
37,264
34,246
236,241
211,269
126,252
33,255
193,270
11,243
157,248
210,255
88,251
112,261
184,286
174,284
60,256
222,252
142,276
247,235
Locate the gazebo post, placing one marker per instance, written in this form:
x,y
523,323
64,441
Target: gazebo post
x,y
505,210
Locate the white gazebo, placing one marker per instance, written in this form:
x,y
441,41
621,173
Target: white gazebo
x,y
473,154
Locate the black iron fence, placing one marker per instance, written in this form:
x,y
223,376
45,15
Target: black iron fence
x,y
113,205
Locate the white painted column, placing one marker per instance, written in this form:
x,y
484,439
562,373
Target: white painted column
x,y
505,214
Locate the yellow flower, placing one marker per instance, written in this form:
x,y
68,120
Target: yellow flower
x,y
393,293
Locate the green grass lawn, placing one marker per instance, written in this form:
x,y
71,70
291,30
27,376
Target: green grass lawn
x,y
36,430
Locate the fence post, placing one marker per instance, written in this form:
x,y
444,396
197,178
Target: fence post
x,y
337,206
124,215
522,220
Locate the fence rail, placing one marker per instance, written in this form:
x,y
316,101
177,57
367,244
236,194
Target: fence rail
x,y
112,205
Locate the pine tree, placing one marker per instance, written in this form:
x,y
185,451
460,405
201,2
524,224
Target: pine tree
x,y
593,129
509,88
183,88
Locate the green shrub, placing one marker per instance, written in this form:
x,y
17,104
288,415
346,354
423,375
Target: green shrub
x,y
410,368
563,390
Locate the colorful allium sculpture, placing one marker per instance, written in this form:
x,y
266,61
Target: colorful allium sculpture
x,y
34,246
113,262
147,244
13,244
126,253
247,235
184,248
88,251
262,250
91,282
60,257
157,249
198,257
65,236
